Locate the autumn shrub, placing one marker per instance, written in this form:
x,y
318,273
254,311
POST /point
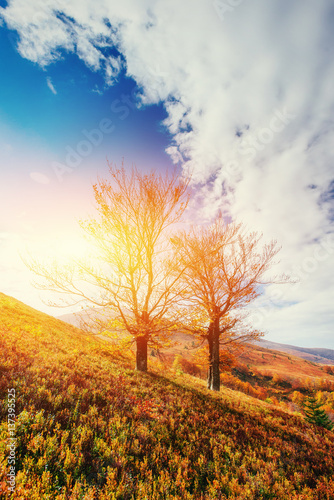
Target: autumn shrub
x,y
190,367
233,382
329,369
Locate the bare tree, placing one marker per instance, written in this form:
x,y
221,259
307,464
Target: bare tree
x,y
224,272
130,277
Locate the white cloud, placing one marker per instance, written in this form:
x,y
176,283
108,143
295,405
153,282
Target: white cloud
x,y
223,79
50,85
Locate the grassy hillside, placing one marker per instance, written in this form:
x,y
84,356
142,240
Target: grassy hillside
x,y
89,427
291,368
315,354
276,377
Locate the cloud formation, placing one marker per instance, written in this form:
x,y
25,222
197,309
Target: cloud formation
x,y
248,92
50,85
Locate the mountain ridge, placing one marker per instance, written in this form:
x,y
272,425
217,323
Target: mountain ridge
x,y
314,354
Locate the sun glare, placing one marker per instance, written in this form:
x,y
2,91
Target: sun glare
x,y
64,249
74,248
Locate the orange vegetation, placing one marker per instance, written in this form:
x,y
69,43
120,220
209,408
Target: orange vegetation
x,y
89,427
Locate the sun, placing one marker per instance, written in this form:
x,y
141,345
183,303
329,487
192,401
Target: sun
x,y
74,248
60,248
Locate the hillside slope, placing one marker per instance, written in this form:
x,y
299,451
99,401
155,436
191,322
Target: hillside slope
x,y
88,426
288,366
315,354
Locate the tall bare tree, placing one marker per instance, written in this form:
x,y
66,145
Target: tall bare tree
x,y
130,276
224,272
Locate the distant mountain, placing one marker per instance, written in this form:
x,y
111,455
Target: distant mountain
x,y
81,317
71,318
316,354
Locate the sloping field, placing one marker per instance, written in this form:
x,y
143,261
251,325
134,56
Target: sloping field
x,y
287,365
89,427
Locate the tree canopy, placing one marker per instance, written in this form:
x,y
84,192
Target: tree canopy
x,y
225,270
130,277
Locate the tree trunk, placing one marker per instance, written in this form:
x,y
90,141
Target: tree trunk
x,y
215,383
141,342
141,354
214,371
209,384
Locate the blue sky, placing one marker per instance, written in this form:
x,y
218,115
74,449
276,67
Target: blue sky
x,y
238,93
55,104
